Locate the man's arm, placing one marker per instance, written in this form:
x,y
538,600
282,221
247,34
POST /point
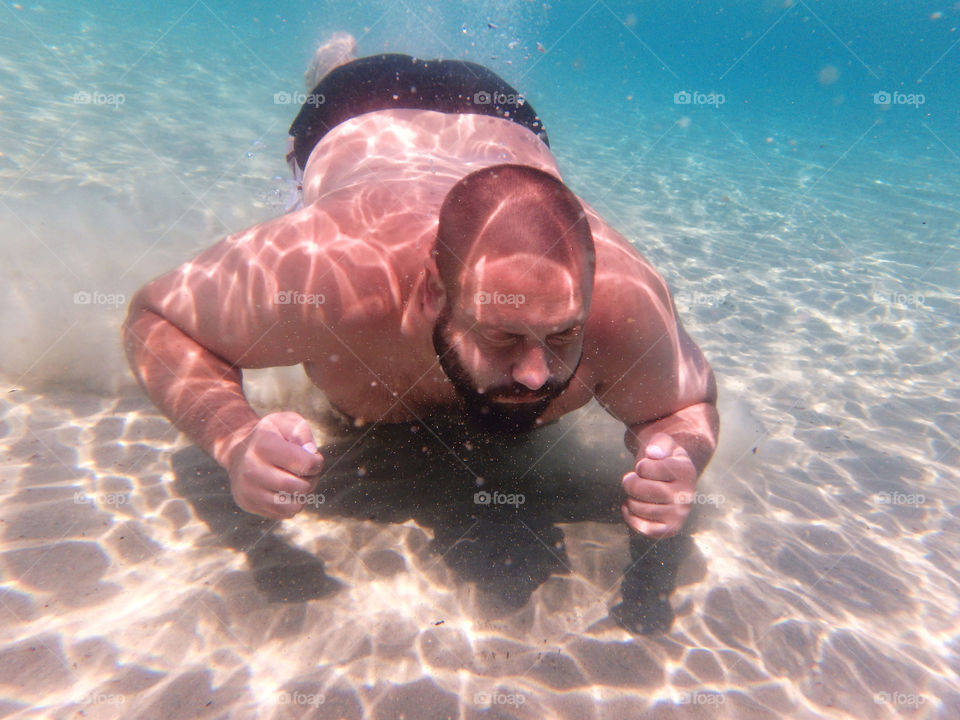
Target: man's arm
x,y
200,392
656,381
694,428
188,333
670,452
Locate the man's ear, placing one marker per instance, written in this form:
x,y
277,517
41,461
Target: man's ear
x,y
434,293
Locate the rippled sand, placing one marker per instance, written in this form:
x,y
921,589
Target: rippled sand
x,y
134,588
819,575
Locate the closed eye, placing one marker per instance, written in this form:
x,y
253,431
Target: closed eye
x,y
567,336
500,339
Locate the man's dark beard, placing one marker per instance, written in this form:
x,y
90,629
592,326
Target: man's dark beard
x,y
496,417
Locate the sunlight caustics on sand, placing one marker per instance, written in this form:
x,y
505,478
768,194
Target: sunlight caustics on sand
x,y
817,271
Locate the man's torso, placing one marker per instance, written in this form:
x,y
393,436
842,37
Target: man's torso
x,y
381,178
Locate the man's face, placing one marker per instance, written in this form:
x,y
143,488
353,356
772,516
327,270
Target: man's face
x,y
512,339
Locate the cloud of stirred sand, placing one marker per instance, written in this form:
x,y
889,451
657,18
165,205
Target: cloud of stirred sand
x,y
73,257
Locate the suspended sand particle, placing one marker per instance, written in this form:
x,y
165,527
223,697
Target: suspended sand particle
x,y
828,75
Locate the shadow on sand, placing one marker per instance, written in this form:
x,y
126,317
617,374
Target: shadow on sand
x,y
439,473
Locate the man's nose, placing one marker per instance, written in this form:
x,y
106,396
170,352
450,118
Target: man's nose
x,y
531,370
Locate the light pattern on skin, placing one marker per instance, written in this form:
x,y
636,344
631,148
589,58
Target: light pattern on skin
x,y
347,277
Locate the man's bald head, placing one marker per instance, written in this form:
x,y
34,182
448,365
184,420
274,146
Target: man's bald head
x,y
512,211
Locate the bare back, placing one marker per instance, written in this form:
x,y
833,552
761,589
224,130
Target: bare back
x,y
338,285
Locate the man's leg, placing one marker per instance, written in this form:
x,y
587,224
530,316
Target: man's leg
x,y
338,50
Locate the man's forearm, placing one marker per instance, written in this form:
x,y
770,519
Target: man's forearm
x,y
199,392
695,428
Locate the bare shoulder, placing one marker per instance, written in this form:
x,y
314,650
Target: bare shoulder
x,y
630,299
274,294
645,364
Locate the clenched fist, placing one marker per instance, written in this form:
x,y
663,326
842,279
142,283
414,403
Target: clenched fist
x,y
660,488
274,468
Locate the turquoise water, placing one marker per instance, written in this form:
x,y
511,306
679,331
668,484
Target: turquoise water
x,y
808,229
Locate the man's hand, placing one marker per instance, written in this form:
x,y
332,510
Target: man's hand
x,y
660,488
274,467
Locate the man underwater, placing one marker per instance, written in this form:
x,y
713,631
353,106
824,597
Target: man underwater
x,y
437,263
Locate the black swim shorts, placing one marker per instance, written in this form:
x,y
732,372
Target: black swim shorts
x,y
389,82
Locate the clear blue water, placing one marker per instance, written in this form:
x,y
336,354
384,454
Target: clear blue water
x,y
809,232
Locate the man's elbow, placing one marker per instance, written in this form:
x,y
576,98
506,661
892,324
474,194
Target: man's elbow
x,y
141,321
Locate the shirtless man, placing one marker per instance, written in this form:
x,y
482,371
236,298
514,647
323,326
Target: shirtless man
x,y
437,263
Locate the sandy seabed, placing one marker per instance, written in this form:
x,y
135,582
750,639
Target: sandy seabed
x,y
818,575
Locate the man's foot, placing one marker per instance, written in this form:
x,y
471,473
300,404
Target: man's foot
x,y
336,51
